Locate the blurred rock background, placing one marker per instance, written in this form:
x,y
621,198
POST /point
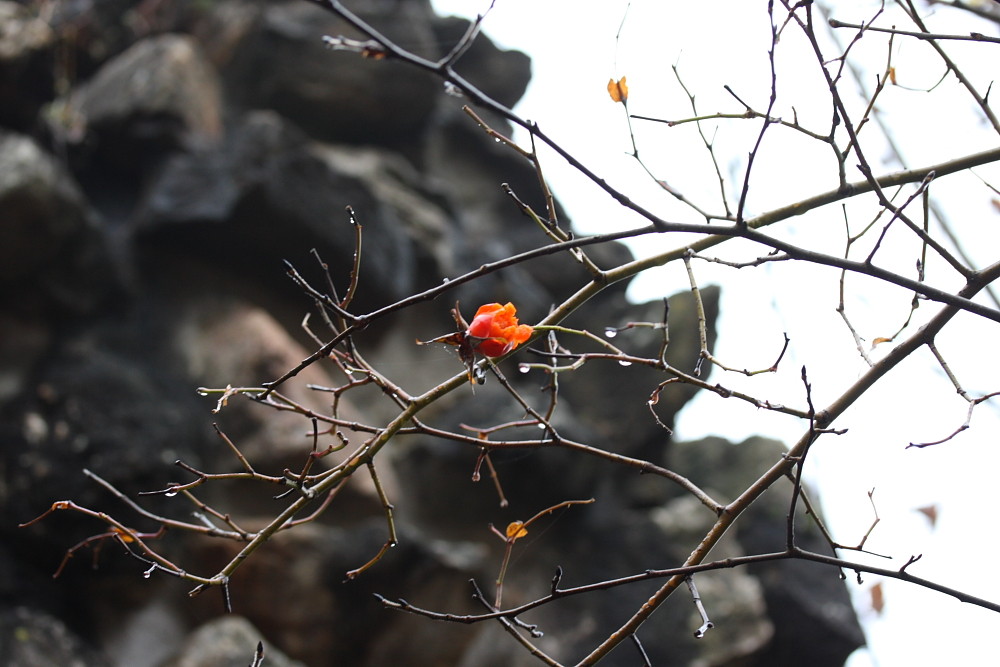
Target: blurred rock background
x,y
158,162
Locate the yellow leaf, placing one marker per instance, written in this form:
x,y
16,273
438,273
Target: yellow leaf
x,y
618,90
516,529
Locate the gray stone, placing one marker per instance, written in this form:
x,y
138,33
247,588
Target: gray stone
x,y
282,64
31,638
54,254
26,64
228,642
157,96
270,195
807,604
25,341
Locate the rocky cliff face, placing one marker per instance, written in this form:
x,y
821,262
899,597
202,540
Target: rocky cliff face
x,y
158,162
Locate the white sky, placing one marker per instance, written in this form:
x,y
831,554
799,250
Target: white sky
x,y
574,54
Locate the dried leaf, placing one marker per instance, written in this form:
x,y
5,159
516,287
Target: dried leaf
x,y
516,529
877,598
456,338
618,90
931,512
374,52
880,340
892,75
124,536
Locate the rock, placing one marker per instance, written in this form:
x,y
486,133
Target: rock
x,y
733,598
206,186
228,642
492,227
93,31
808,605
25,341
54,254
30,638
157,96
299,581
636,432
420,214
222,342
500,74
270,195
107,403
146,635
282,64
26,65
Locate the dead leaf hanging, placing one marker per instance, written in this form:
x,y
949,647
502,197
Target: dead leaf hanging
x,y
618,90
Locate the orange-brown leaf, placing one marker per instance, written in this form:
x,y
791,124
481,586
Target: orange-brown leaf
x,y
931,512
124,536
877,598
618,90
516,529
